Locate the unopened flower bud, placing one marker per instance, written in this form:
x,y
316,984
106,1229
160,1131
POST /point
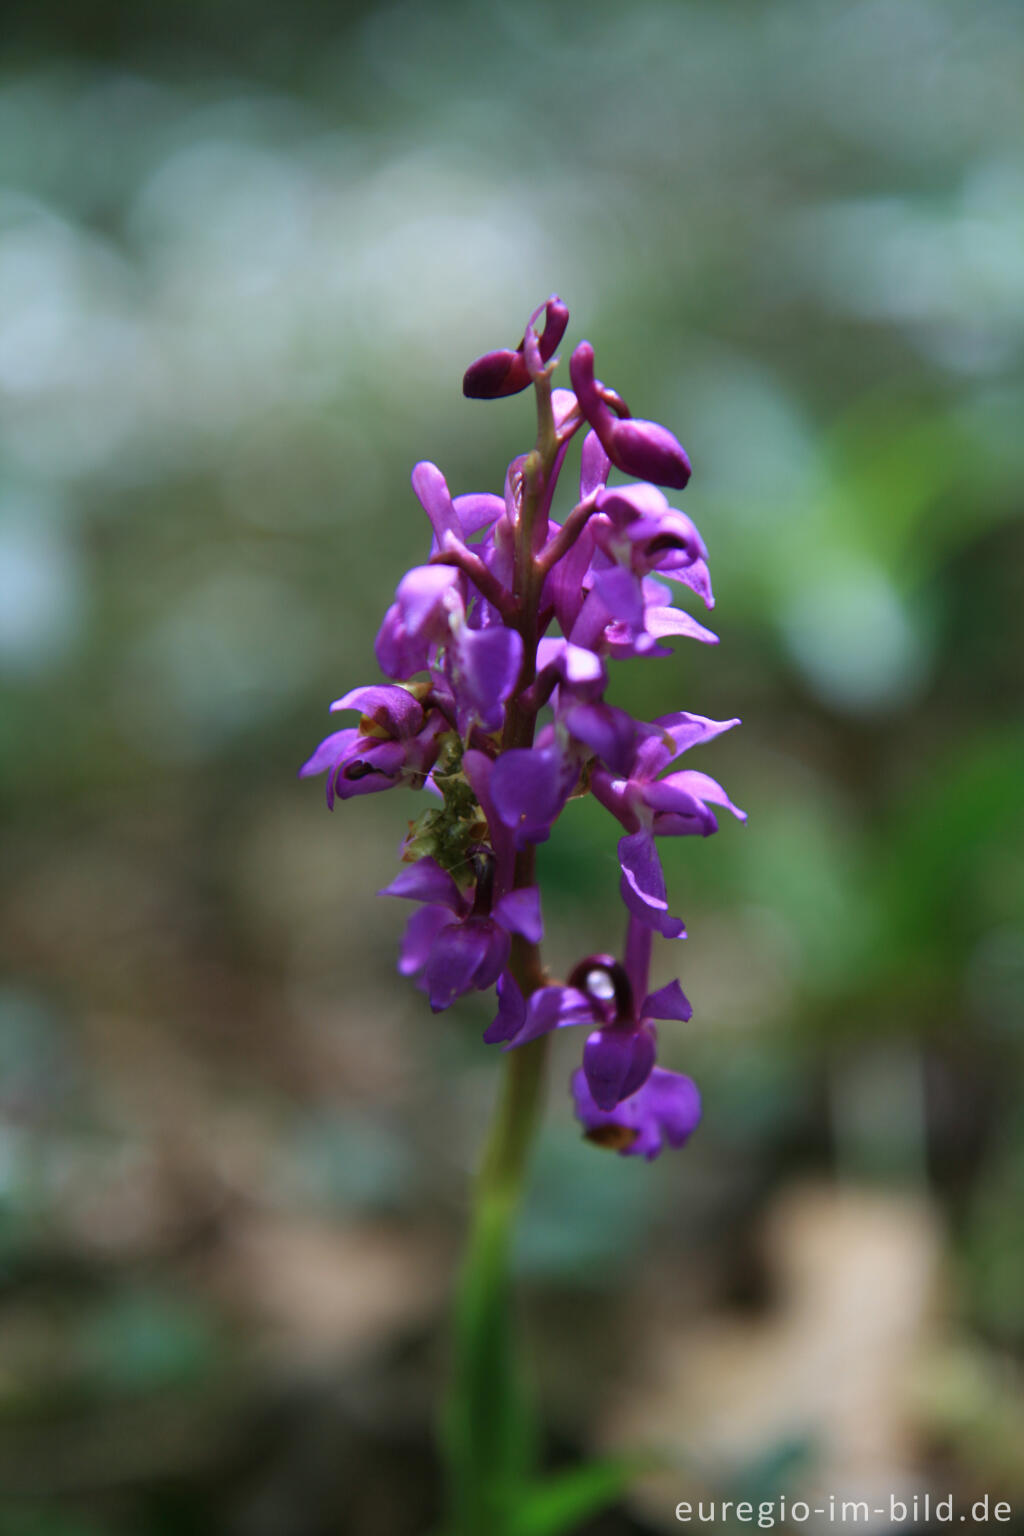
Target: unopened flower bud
x,y
640,448
505,372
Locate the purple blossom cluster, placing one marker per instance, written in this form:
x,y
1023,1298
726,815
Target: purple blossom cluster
x,y
498,648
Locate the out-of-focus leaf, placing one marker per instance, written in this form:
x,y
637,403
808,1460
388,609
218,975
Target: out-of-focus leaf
x,y
561,1502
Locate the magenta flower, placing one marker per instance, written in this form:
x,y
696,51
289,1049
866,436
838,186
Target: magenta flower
x,y
679,805
394,743
460,944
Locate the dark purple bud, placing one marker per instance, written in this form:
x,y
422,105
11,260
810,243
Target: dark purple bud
x,y
640,448
495,375
505,372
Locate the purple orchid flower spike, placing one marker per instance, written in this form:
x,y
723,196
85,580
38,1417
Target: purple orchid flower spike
x,y
505,372
499,649
641,448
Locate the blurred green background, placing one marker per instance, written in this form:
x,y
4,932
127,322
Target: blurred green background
x,y
246,252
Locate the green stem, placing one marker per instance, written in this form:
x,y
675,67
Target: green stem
x,y
486,1429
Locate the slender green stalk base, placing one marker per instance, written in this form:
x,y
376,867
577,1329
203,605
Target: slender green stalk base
x,y
487,1427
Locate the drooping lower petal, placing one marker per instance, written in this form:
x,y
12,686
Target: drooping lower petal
x,y
617,1061
511,1014
458,952
420,932
665,1110
529,786
643,884
485,669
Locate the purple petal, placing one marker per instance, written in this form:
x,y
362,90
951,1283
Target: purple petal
x,y
675,1103
661,623
563,405
621,593
329,752
643,884
616,1063
595,466
697,577
478,510
519,912
421,596
618,795
574,664
496,955
426,881
486,665
435,498
688,730
564,588
666,1109
690,816
397,653
703,788
668,1002
511,1014
528,785
478,767
553,1008
387,705
369,766
607,731
669,535
420,932
458,952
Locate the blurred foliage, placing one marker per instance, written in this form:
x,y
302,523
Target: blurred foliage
x,y
245,254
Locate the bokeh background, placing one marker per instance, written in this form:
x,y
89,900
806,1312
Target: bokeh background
x,y
246,251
